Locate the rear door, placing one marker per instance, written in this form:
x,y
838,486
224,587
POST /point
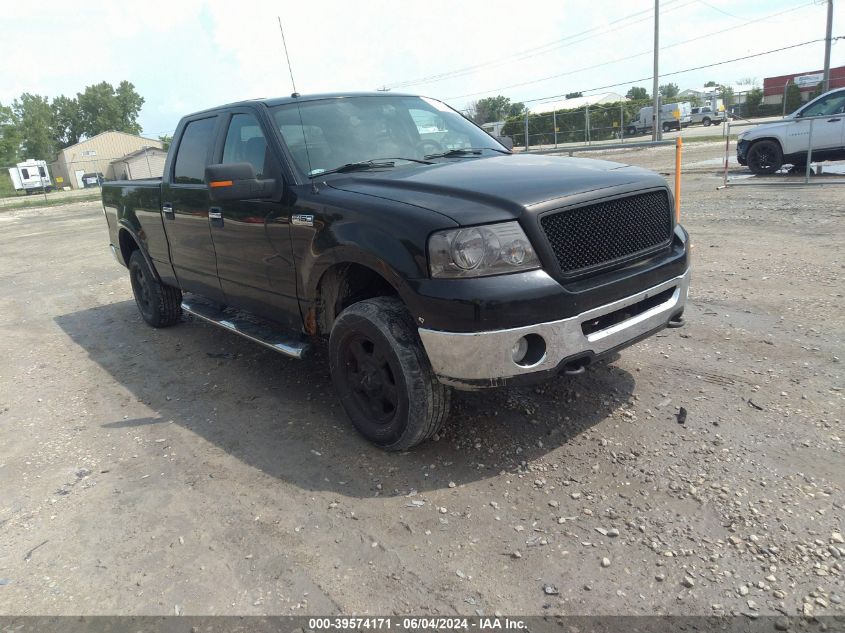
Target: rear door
x,y
185,205
252,237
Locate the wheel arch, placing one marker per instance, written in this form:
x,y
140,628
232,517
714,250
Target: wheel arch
x,y
346,281
129,242
753,142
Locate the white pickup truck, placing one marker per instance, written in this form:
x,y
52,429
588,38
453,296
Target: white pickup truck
x,y
706,116
769,146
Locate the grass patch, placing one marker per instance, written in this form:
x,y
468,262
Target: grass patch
x,y
707,139
34,200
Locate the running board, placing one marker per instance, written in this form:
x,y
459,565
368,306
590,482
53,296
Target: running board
x,y
247,326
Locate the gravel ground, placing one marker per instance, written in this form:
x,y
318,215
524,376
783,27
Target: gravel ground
x,y
188,471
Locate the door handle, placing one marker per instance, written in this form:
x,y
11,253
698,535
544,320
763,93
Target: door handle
x,y
167,210
215,216
833,120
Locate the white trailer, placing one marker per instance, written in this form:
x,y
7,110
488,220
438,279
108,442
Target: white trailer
x,y
31,176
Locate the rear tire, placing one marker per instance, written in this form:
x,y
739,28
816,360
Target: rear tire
x,y
383,377
764,158
160,305
706,121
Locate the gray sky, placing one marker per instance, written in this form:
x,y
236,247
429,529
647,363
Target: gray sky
x,y
185,55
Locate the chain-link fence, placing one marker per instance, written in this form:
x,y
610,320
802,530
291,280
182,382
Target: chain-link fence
x,y
617,122
20,185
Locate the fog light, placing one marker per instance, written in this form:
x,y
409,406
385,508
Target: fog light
x,y
520,349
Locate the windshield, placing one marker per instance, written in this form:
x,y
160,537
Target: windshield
x,y
347,130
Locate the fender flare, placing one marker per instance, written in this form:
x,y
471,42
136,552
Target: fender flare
x,y
124,225
345,254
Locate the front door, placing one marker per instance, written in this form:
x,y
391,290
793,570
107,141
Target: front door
x,y
185,205
828,121
252,237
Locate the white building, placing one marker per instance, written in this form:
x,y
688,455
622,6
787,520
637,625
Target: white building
x,y
577,103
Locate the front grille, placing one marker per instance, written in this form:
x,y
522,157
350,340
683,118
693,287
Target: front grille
x,y
608,231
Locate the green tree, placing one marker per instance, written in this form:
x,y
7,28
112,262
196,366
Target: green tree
x,y
67,121
710,84
726,94
35,126
517,109
667,91
102,108
166,140
753,100
817,91
793,97
10,141
574,95
637,93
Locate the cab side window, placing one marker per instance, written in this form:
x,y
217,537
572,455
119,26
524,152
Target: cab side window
x,y
192,155
832,104
245,143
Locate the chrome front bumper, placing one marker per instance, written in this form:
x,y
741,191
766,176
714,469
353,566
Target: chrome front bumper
x,y
472,360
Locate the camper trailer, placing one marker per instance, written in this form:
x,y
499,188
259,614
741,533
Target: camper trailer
x,y
31,176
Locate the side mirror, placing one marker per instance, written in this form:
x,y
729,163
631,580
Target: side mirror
x,y
507,141
237,181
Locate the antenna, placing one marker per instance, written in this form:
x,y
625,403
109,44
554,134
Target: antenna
x,y
299,110
285,44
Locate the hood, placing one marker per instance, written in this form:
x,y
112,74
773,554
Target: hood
x,y
496,188
767,128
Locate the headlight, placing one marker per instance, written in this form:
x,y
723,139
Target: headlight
x,y
479,251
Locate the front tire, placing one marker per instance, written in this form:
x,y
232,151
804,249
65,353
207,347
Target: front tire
x,y
764,158
706,121
160,305
666,127
383,377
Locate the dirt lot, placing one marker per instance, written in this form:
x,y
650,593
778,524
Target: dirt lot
x,y
189,471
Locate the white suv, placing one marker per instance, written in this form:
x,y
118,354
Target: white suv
x,y
767,147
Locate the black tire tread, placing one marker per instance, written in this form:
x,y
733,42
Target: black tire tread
x,y
429,398
168,299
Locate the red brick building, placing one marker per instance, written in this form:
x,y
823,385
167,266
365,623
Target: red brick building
x,y
774,87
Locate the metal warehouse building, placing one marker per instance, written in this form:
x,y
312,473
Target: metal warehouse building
x,y
147,162
98,154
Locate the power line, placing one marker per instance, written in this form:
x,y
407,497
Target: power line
x,y
626,57
687,70
536,51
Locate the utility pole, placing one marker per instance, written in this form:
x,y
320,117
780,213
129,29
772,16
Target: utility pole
x,y
827,45
655,111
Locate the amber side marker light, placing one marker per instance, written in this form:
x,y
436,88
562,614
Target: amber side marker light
x,y
220,183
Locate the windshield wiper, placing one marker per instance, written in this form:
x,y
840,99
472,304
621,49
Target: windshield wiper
x,y
463,151
359,166
376,163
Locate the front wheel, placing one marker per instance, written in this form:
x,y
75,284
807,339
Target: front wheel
x,y
160,305
631,131
764,157
706,121
666,127
383,377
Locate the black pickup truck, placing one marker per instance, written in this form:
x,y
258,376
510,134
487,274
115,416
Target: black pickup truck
x,y
428,253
